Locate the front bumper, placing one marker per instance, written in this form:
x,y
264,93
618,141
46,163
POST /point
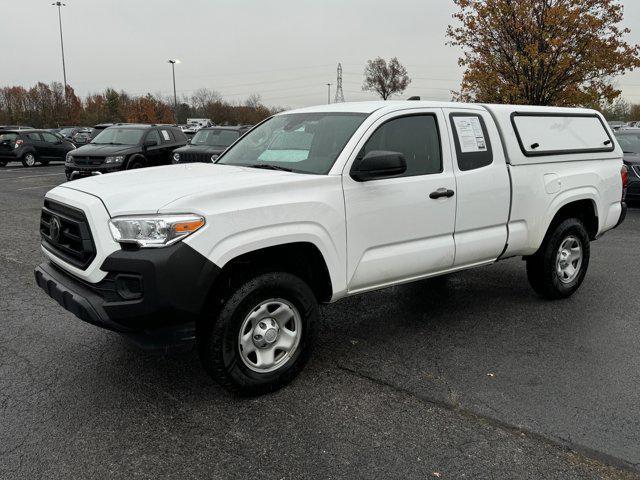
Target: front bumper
x,y
74,171
152,295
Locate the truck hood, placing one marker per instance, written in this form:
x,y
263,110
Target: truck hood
x,y
147,190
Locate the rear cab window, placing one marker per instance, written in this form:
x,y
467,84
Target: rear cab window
x,y
560,133
471,139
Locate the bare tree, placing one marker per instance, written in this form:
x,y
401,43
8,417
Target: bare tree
x,y
203,97
253,101
385,78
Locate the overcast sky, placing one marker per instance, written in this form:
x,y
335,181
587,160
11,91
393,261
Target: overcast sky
x,y
285,50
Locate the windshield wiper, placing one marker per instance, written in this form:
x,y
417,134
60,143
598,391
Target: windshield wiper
x,y
268,166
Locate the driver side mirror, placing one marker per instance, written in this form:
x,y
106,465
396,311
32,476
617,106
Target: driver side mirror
x,y
378,164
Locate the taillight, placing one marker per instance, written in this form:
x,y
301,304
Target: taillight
x,y
624,174
18,143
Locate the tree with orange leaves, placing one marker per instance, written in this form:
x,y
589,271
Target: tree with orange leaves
x,y
541,52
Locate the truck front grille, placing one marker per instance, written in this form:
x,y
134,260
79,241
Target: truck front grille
x,y
88,161
65,232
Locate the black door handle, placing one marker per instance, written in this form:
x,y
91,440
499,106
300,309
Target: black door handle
x,y
442,192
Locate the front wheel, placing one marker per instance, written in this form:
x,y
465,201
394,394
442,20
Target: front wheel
x,y
28,160
559,267
135,163
262,336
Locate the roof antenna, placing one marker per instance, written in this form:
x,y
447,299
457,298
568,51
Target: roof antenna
x,y
414,98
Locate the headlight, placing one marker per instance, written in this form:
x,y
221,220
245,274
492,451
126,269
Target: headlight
x,y
69,160
118,159
176,157
154,231
214,157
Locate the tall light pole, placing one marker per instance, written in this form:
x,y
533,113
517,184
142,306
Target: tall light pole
x,y
64,70
329,93
173,62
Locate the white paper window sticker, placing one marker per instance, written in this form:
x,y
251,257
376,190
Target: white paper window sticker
x,y
165,134
470,134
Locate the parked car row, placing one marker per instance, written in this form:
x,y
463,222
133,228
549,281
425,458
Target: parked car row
x,y
108,147
618,125
129,146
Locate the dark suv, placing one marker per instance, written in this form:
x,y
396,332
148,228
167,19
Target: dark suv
x,y
32,146
123,147
207,145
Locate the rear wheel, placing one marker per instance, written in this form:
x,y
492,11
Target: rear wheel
x,y
28,160
559,267
262,336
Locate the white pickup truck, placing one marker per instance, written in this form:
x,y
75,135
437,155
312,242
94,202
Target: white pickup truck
x,y
317,204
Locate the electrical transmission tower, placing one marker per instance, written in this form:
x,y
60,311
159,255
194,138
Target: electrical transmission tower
x,y
339,94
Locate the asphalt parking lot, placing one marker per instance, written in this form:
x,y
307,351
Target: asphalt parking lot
x,y
470,376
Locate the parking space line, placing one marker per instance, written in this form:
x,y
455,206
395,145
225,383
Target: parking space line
x,y
32,176
38,186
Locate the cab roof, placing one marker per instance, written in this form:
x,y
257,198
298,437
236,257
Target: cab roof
x,y
393,105
370,107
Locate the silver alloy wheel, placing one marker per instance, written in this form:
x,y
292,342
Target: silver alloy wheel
x,y
30,159
269,335
569,259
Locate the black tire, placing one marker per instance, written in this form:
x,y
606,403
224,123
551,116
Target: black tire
x,y
542,267
218,333
135,162
29,160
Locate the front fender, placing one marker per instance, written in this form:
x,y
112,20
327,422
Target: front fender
x,y
240,243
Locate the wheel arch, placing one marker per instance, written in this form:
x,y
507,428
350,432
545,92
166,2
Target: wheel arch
x,y
135,156
584,208
301,258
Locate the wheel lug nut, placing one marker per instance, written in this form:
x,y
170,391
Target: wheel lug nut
x,y
262,325
257,337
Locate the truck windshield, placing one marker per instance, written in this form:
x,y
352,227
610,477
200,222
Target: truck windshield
x,y
630,142
119,136
215,138
300,142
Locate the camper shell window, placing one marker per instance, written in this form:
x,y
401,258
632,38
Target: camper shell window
x,y
560,133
